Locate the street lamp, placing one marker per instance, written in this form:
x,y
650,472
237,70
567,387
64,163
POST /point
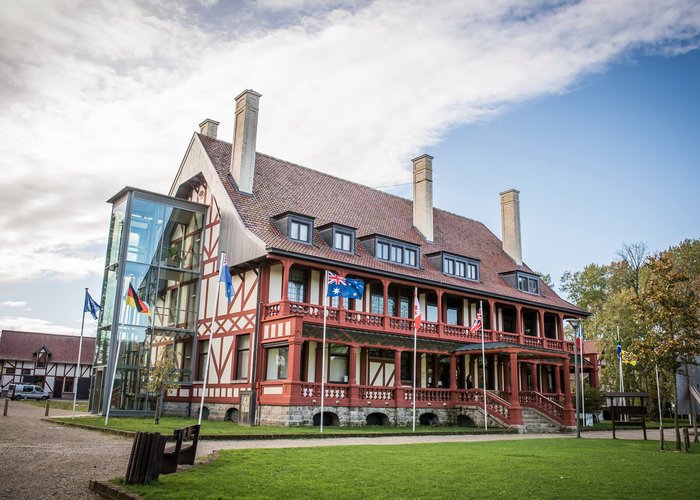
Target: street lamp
x,y
575,324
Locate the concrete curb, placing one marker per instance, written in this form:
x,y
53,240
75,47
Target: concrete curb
x,y
112,491
256,437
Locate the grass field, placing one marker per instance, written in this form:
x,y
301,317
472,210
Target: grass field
x,y
220,428
59,404
556,468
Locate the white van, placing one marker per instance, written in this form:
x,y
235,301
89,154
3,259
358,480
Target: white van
x,y
27,391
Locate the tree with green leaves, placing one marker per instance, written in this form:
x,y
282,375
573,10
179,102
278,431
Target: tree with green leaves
x,y
669,310
162,377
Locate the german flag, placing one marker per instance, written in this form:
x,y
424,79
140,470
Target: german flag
x,y
133,300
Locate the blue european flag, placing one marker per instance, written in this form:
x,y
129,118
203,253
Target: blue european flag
x,y
339,286
225,276
619,351
90,305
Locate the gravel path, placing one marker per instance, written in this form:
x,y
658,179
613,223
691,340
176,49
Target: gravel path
x,y
39,459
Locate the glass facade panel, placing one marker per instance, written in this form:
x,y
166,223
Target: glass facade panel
x,y
155,247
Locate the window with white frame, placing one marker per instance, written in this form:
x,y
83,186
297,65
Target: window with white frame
x,y
277,361
342,240
398,252
242,351
296,288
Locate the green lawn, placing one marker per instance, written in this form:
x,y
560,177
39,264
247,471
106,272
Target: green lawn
x,y
555,468
59,404
220,428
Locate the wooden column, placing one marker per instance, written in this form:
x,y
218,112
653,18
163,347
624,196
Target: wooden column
x,y
516,415
533,376
385,291
569,417
294,370
560,327
453,372
519,321
557,380
542,325
286,266
440,319
494,317
352,375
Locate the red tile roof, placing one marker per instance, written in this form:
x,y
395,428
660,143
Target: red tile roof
x,y
280,186
63,348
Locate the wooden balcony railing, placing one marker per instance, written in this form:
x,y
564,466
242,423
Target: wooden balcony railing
x,y
378,322
550,404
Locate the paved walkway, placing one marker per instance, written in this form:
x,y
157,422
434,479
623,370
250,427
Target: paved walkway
x,y
39,459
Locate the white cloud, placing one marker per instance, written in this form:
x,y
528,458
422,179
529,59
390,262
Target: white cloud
x,y
26,324
14,303
101,95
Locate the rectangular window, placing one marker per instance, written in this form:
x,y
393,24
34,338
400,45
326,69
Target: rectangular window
x,y
461,267
431,311
452,316
296,289
407,367
9,371
202,357
299,231
410,257
342,241
405,307
41,360
335,302
377,299
277,363
382,250
338,363
68,384
242,351
396,254
529,283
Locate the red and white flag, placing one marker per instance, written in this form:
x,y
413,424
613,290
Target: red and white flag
x,y
478,321
416,311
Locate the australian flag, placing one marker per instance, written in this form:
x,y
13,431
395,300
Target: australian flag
x,y
344,287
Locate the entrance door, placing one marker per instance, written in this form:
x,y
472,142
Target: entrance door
x,y
58,387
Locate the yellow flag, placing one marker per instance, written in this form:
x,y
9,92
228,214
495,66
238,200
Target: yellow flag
x,y
629,358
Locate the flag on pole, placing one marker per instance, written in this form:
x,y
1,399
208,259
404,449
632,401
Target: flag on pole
x,y
628,358
90,305
225,276
619,351
338,286
416,311
133,300
478,322
578,340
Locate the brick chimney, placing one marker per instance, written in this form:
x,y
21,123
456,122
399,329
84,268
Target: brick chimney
x,y
510,221
244,133
209,128
423,195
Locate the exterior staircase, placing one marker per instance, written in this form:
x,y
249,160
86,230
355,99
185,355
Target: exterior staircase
x,y
536,422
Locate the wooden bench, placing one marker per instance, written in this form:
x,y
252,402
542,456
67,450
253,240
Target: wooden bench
x,y
183,451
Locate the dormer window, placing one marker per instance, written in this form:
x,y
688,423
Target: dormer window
x,y
528,283
399,252
299,230
338,236
456,265
296,227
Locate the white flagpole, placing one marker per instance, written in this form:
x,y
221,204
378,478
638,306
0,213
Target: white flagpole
x,y
211,337
583,393
80,353
483,365
114,374
323,349
416,307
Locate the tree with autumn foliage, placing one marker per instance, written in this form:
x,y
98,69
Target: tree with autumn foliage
x,y
162,377
669,310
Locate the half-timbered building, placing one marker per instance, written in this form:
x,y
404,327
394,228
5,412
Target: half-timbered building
x,y
283,226
46,360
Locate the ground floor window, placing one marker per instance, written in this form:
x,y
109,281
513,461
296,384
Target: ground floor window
x,y
277,361
202,353
68,384
242,350
338,363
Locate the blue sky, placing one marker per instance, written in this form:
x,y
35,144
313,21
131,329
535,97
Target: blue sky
x,y
590,109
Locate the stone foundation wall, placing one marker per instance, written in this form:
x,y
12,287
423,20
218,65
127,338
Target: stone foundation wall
x,y
290,416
